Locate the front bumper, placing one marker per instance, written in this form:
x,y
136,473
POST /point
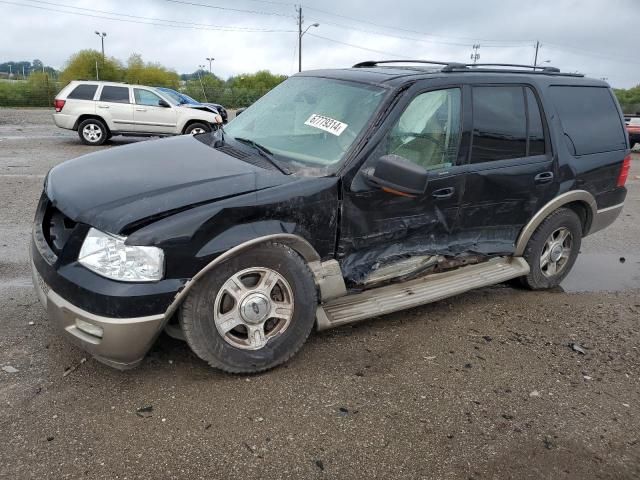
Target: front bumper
x,y
123,342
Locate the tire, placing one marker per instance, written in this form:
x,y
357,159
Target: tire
x,y
197,128
203,312
549,234
93,131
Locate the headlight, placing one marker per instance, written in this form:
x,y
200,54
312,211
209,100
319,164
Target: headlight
x,y
107,255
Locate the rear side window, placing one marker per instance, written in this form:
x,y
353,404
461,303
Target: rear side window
x,y
115,94
589,118
83,92
499,124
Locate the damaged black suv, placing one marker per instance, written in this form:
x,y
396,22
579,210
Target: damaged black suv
x,y
339,196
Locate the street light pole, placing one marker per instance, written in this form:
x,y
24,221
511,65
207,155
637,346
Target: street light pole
x,y
101,35
300,35
211,59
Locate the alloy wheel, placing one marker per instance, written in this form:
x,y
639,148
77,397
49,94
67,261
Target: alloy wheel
x,y
556,252
92,132
252,307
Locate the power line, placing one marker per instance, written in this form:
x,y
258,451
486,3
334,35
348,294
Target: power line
x,y
411,31
151,21
588,53
413,39
255,12
396,55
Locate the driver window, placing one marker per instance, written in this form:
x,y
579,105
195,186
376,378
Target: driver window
x,y
428,132
145,97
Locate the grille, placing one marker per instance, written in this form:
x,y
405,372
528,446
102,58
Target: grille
x,y
55,226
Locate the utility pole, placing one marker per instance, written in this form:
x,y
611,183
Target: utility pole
x,y
211,59
101,35
97,75
535,59
10,71
301,34
299,38
204,94
475,56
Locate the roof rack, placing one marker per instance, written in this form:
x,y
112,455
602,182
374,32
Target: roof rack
x,y
475,67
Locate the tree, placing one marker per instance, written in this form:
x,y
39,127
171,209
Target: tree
x,y
88,64
629,99
140,73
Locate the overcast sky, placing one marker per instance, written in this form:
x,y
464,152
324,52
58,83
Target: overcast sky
x,y
599,38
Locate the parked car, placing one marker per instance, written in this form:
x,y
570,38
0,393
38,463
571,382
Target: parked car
x,y
100,110
633,129
187,101
339,196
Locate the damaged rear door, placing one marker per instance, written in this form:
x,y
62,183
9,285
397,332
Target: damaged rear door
x,y
511,171
384,232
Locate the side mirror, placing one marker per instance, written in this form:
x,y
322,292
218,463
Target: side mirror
x,y
398,175
163,103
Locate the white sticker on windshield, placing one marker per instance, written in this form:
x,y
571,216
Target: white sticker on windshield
x,y
326,123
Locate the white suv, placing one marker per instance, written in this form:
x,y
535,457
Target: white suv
x,y
99,110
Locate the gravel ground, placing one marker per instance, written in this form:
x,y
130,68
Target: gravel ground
x,y
483,385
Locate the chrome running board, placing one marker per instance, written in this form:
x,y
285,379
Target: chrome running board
x,y
430,288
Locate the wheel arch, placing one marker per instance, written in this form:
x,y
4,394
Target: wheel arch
x,y
580,201
190,122
295,242
87,116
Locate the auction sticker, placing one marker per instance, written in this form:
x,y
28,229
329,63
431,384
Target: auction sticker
x,y
326,123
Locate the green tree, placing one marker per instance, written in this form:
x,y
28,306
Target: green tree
x,y
83,65
140,73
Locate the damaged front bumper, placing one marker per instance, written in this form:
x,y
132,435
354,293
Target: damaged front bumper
x,y
118,342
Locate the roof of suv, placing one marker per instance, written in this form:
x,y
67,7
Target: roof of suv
x,y
397,72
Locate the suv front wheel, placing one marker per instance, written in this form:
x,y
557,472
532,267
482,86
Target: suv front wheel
x,y
93,132
253,312
552,249
197,128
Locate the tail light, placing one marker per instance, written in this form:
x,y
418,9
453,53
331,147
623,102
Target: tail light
x,y
624,171
58,104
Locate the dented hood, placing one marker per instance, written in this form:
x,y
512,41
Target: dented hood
x,y
113,188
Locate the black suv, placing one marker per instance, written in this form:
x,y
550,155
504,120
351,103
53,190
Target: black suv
x,y
340,195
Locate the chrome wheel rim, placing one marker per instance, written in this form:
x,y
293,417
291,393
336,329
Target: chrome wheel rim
x,y
92,132
556,252
252,307
197,131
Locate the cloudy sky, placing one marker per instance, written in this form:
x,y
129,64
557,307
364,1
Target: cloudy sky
x,y
600,38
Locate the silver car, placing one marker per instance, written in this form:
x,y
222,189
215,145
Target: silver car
x,y
99,110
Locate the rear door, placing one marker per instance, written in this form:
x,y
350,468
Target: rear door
x,y
114,105
149,115
511,172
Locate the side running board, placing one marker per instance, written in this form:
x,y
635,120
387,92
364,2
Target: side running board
x,y
430,288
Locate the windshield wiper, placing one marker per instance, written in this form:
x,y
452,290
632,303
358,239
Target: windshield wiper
x,y
264,152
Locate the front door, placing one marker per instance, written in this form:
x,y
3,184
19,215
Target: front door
x,y
511,172
383,228
150,115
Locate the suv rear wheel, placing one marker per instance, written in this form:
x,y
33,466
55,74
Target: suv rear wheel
x,y
93,131
253,312
552,249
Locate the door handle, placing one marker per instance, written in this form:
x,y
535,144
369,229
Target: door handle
x,y
444,193
141,109
544,177
103,106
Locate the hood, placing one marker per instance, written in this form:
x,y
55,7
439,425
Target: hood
x,y
114,188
